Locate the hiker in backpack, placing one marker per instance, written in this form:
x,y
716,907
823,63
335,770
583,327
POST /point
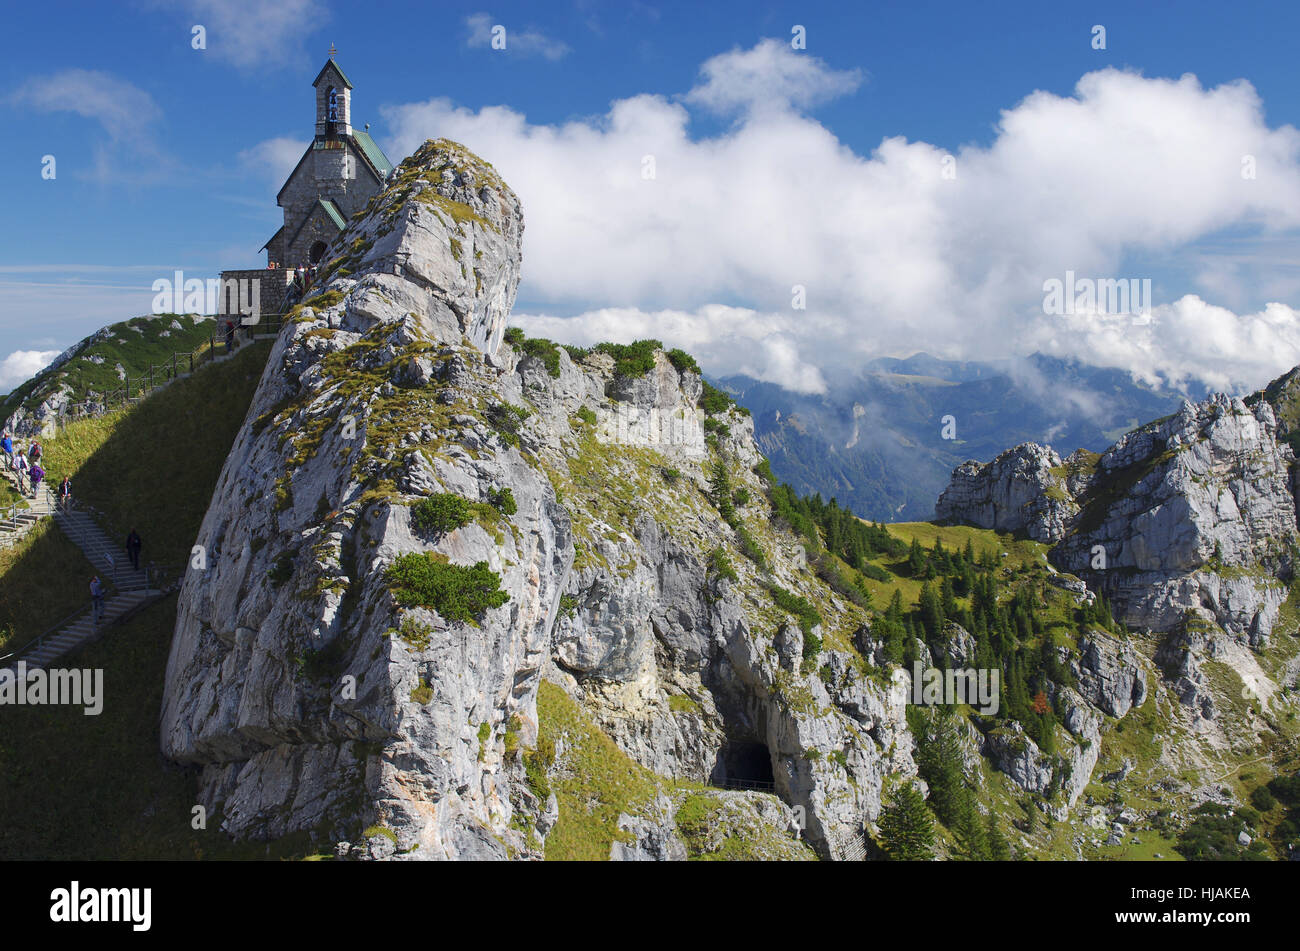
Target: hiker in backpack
x,y
21,470
133,546
35,452
7,445
37,474
97,597
65,492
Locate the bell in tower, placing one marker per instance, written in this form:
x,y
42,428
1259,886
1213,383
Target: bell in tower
x,y
333,103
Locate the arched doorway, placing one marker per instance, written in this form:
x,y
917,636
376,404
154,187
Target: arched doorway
x,y
317,252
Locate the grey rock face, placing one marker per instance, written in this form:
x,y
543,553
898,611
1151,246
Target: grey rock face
x,y
313,700
1016,755
310,699
1016,492
1109,674
1193,513
1208,487
654,836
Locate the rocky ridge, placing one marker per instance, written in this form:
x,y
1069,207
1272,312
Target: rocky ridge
x,y
314,701
1187,525
1190,514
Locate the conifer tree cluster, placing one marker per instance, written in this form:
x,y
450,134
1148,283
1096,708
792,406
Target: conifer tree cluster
x,y
1003,614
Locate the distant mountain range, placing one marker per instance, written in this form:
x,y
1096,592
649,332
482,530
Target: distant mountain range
x,y
876,442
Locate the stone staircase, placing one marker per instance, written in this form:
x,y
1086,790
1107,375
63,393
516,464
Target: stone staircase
x,y
126,589
80,629
16,522
108,556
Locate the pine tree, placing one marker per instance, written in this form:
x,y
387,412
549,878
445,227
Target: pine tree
x,y
968,830
720,490
916,560
931,614
906,829
895,610
946,598
998,847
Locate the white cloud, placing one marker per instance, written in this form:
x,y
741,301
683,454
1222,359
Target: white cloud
x,y
254,34
894,256
724,339
525,42
274,158
122,108
126,113
769,76
22,365
1184,341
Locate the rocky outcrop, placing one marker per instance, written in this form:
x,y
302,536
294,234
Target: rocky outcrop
x,y
1192,513
1016,492
1059,778
1109,674
713,825
313,698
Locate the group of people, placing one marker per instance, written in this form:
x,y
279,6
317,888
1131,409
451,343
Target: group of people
x,y
26,465
303,278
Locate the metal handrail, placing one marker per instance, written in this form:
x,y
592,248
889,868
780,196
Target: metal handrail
x,y
40,509
160,375
39,640
758,785
80,535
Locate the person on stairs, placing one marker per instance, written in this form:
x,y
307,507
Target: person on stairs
x,y
34,454
37,474
97,597
7,446
21,470
65,492
133,546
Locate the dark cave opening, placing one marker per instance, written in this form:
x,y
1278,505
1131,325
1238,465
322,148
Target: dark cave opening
x,y
743,765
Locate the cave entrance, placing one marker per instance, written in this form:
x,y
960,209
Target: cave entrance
x,y
744,765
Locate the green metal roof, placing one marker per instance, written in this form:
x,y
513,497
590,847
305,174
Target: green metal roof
x,y
332,210
373,153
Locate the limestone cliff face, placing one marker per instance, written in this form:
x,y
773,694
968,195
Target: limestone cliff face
x,y
1193,513
1016,492
313,701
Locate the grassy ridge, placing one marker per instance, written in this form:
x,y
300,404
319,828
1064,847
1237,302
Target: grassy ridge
x,y
135,344
154,467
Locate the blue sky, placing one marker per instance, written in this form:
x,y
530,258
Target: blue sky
x,y
169,158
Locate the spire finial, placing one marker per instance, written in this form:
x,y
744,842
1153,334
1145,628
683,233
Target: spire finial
x,y
332,51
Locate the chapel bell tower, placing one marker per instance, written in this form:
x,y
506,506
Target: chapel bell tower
x,y
333,104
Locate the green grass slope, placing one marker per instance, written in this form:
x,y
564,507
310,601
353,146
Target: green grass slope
x,y
96,787
135,344
154,467
43,579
